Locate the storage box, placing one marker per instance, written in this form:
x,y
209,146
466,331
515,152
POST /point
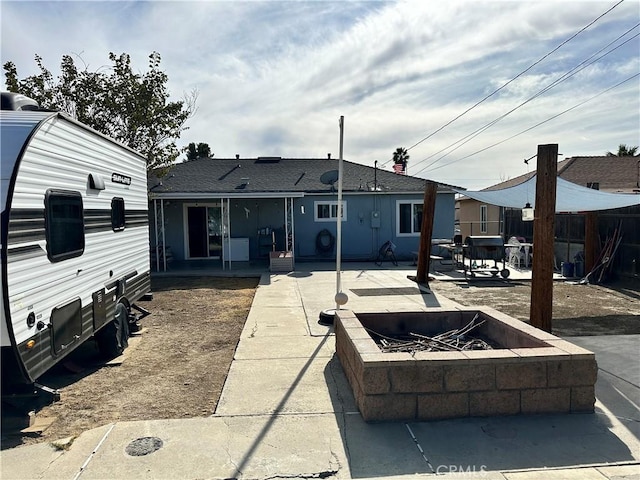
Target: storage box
x,y
280,261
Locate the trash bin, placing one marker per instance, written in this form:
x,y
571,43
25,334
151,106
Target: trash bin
x,y
567,269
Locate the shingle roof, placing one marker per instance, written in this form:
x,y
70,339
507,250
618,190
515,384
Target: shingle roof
x,y
275,174
613,174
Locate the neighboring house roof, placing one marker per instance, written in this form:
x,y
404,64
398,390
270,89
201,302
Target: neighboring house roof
x,y
612,174
274,175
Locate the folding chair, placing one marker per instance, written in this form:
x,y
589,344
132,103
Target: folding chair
x,y
386,252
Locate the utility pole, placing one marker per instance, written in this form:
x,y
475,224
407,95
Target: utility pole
x,y
426,231
541,311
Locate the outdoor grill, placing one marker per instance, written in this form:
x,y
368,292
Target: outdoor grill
x,y
479,250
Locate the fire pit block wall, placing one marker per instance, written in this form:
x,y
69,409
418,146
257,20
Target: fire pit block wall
x,y
532,371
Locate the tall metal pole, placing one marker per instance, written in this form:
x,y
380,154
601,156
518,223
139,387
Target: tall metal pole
x,y
339,217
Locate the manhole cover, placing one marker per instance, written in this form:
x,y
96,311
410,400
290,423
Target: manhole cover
x,y
143,446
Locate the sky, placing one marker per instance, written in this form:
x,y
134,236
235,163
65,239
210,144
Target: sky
x,y
274,77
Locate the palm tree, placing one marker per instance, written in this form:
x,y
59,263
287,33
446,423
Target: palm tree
x,y
201,150
624,151
401,157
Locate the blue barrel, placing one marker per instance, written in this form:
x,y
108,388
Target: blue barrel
x,y
567,269
579,270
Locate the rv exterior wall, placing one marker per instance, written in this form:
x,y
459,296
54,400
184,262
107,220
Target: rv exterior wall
x,y
58,157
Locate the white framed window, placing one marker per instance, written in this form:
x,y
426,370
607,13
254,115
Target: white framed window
x,y
408,218
328,211
483,219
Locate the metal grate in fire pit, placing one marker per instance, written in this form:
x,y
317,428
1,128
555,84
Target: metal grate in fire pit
x,y
376,292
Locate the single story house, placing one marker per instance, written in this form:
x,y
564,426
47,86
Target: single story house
x,y
608,174
241,209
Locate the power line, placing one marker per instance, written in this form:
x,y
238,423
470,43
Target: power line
x,y
512,80
570,73
540,123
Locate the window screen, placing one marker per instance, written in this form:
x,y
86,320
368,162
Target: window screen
x,y
65,225
117,213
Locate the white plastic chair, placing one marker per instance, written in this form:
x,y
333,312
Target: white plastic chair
x,y
515,255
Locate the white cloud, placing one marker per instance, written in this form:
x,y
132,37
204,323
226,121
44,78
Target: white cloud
x,y
275,76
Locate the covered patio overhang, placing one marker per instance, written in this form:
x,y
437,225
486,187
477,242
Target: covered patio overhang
x,y
224,199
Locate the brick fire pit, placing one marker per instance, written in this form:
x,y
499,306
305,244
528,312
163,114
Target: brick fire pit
x,y
532,371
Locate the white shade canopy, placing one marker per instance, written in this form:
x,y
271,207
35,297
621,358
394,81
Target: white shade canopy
x,y
570,197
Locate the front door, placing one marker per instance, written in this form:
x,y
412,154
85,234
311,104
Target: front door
x,y
204,231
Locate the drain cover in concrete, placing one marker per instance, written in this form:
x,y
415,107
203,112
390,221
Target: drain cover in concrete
x,y
143,446
376,292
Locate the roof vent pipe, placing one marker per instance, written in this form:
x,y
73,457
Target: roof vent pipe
x,y
329,156
237,156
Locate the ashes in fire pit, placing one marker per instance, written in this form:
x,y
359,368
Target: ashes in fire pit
x,y
527,370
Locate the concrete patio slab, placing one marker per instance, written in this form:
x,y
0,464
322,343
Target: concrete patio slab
x,y
286,386
275,321
524,442
289,346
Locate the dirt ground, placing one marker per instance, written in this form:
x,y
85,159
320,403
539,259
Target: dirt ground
x,y
175,369
578,310
172,372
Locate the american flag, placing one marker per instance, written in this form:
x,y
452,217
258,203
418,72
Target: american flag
x,y
399,168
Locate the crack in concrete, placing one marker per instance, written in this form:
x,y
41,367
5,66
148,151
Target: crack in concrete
x,y
322,474
60,454
227,448
254,330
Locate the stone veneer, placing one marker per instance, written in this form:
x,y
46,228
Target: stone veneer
x,y
534,372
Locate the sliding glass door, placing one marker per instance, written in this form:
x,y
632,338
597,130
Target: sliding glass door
x,y
203,227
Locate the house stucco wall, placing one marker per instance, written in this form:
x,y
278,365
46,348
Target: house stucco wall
x,y
469,216
360,240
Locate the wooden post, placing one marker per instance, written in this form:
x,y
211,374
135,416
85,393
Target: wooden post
x,y
426,231
590,241
543,238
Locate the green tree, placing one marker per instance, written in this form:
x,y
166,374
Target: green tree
x,y
200,150
133,108
624,151
401,157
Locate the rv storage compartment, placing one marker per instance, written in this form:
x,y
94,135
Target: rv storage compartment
x,y
66,324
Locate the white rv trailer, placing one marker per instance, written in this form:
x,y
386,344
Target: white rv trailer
x,y
74,240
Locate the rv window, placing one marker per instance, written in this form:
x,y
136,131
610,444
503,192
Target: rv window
x,y
117,214
65,225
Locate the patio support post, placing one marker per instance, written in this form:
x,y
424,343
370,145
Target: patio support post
x,y
590,241
293,233
286,223
164,247
226,229
426,231
541,308
155,217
